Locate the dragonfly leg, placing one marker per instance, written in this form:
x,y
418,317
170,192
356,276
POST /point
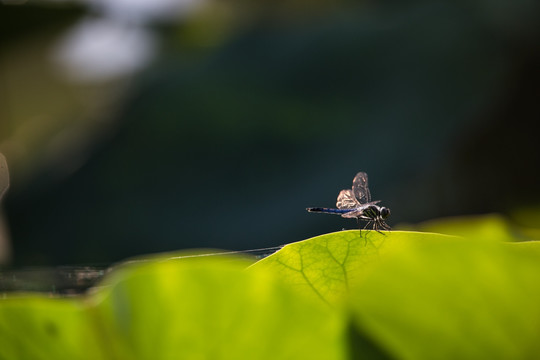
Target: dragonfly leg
x,y
377,226
366,227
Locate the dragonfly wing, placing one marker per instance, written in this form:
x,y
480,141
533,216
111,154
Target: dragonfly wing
x,y
359,211
360,188
346,200
354,214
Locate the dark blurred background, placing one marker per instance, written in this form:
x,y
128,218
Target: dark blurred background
x,y
134,126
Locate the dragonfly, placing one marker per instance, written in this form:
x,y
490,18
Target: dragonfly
x,y
356,203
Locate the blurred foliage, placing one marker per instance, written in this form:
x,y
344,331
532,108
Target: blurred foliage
x,y
202,308
528,220
48,122
350,294
251,111
453,299
489,226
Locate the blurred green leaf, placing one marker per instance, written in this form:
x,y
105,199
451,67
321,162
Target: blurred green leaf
x,y
214,309
187,308
528,220
532,247
528,216
453,299
407,295
36,327
485,227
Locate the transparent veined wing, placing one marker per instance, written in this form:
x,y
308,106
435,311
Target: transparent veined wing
x,y
4,176
360,188
359,212
346,200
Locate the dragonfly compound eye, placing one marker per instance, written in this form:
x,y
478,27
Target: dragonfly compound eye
x,y
385,212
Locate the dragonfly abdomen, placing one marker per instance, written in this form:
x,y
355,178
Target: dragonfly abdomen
x,y
329,210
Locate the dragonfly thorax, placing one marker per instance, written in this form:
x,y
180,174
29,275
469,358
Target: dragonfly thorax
x,y
372,212
376,212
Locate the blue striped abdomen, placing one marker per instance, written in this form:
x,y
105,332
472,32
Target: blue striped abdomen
x,y
329,211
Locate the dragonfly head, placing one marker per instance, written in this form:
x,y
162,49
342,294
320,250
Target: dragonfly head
x,y
385,212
